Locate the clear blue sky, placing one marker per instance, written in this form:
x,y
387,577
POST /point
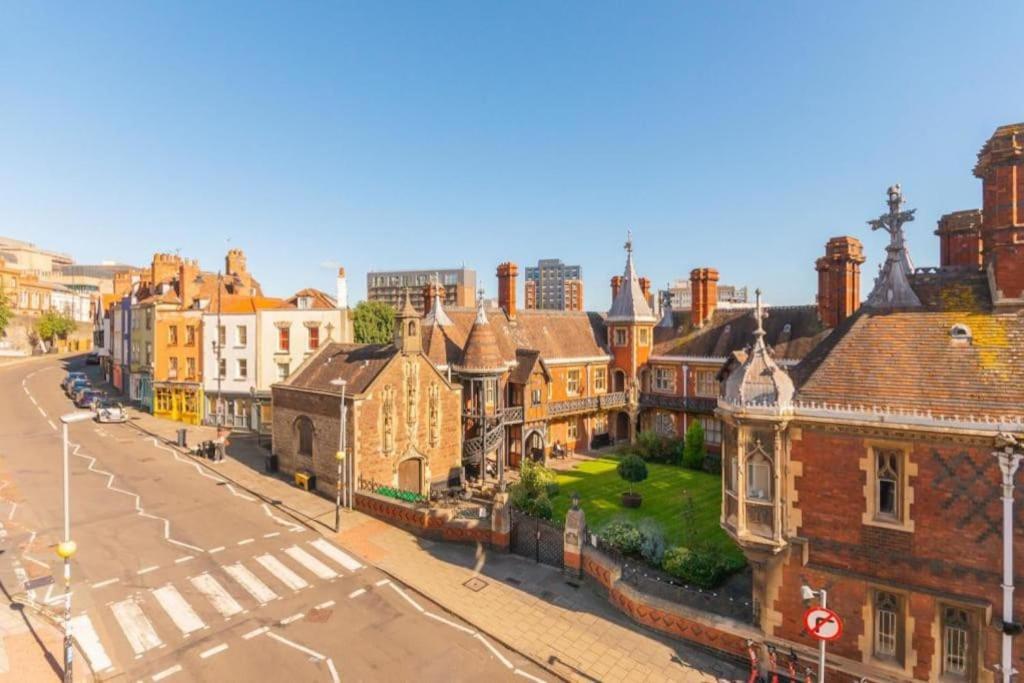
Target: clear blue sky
x,y
738,135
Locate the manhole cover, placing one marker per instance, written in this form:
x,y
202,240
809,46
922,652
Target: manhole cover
x,y
475,584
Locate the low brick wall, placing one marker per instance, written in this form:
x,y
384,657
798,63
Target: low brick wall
x,y
422,520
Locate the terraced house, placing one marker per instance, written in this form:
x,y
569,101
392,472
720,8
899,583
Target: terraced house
x,y
875,467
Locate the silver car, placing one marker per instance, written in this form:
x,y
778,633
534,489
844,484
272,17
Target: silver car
x,y
111,412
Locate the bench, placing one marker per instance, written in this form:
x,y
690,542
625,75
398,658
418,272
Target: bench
x,y
305,479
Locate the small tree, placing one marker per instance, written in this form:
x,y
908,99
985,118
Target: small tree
x,y
693,448
5,311
373,322
532,492
54,325
633,470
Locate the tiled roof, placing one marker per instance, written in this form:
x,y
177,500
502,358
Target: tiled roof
x,y
629,303
908,359
480,353
235,303
357,364
555,334
527,360
319,299
790,332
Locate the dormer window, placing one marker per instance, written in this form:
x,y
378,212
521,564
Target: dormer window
x,y
305,302
960,334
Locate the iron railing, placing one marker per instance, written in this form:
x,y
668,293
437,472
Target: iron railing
x,y
690,404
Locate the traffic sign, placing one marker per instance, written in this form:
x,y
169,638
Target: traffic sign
x,y
822,623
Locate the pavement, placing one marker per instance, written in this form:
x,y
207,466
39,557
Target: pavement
x,y
183,574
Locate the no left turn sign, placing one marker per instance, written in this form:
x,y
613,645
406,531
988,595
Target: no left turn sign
x,y
823,623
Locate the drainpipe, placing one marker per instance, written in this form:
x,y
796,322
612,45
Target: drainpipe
x,y
1009,461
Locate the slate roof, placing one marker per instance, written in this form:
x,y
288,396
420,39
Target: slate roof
x,y
629,303
553,334
357,364
908,359
790,333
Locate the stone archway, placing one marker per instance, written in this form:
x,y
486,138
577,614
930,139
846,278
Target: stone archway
x,y
534,445
410,474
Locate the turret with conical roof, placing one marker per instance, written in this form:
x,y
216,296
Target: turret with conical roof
x,y
630,305
759,381
407,328
481,355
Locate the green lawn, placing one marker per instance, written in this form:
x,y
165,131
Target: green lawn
x,y
600,490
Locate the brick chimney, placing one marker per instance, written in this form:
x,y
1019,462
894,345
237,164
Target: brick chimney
x,y
616,285
645,288
703,294
839,280
960,239
507,274
1001,169
164,267
187,287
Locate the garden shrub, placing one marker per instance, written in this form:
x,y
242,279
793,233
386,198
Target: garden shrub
x,y
701,567
532,493
693,449
623,536
652,542
654,447
632,469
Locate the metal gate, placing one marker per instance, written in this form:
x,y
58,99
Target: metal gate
x,y
537,539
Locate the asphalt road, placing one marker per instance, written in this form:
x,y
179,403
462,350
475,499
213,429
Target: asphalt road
x,y
180,576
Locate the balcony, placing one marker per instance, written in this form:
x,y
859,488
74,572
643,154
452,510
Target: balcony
x,y
689,404
615,399
583,404
512,415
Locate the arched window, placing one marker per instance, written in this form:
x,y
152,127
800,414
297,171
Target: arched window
x,y
305,428
759,476
412,328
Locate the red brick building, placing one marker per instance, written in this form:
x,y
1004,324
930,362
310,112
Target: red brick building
x,y
868,468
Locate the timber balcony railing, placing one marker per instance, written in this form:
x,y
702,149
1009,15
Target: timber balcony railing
x,y
512,415
586,404
693,404
471,447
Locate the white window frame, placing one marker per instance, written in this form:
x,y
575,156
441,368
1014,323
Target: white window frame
x,y
241,336
241,369
664,378
712,430
572,381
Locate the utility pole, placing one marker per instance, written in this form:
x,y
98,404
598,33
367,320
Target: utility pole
x,y
340,455
1009,461
66,548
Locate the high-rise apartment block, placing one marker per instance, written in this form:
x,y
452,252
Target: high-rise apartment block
x,y
457,286
553,285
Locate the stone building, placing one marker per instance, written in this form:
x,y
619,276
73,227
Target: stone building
x,y
402,415
869,468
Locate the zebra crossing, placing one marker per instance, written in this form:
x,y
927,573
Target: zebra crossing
x,y
215,589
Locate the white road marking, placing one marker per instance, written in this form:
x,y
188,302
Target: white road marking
x,y
136,626
246,541
314,565
356,593
167,672
214,651
240,495
247,580
216,550
292,526
336,554
520,672
180,612
272,534
147,570
10,515
281,572
324,605
383,582
334,672
56,598
451,623
52,425
257,632
407,598
186,558
89,641
101,584
33,399
218,596
294,617
494,651
41,411
312,653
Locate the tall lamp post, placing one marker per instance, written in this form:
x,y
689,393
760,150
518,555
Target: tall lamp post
x,y
67,547
807,594
340,455
1009,461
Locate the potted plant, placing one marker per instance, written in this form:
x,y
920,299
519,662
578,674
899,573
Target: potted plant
x,y
633,470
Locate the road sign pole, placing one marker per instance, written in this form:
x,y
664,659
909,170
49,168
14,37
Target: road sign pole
x,y
821,643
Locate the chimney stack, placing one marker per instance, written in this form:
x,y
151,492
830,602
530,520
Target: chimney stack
x,y
703,294
616,285
507,273
645,289
187,289
342,289
164,268
839,280
1001,169
960,239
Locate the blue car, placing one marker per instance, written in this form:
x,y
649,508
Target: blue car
x,y
75,386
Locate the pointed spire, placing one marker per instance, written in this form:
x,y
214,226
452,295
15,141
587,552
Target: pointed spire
x,y
437,316
481,354
408,311
759,381
667,319
630,304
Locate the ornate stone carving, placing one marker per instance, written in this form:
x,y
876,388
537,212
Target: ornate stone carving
x,y
892,286
434,412
387,407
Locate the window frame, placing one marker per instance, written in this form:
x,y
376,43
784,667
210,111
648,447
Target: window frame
x,y
572,382
712,426
306,436
705,383
600,379
284,340
241,336
620,332
896,607
313,337
241,369
664,379
971,643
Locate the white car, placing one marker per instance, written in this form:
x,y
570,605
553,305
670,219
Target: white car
x,y
111,412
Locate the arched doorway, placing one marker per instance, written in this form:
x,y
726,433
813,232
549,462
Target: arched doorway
x,y
621,427
618,380
535,446
410,475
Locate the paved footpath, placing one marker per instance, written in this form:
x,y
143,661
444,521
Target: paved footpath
x,y
571,630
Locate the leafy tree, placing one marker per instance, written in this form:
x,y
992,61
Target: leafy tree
x,y
6,313
632,469
374,322
53,325
693,449
532,492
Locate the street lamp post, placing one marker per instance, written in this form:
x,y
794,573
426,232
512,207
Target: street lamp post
x,y
67,547
1009,461
808,594
340,455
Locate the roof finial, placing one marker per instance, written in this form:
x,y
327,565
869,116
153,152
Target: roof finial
x,y
629,241
481,316
759,314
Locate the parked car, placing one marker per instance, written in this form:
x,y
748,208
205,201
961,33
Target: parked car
x,y
88,398
71,377
77,391
93,358
75,386
111,411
